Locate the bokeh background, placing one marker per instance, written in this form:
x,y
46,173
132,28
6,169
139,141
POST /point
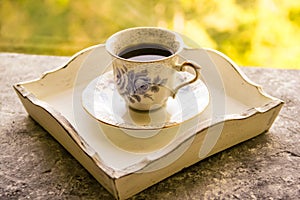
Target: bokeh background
x,y
252,32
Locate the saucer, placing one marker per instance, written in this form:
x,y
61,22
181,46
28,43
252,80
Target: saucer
x,y
102,101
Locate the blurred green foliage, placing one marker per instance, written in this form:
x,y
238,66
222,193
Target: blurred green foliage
x,y
251,32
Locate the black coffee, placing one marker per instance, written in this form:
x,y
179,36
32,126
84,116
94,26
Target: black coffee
x,y
145,52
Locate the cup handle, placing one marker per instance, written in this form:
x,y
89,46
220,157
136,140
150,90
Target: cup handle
x,y
181,67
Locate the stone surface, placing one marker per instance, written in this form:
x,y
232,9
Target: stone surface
x,y
34,166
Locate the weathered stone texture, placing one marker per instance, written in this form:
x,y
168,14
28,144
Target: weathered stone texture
x,y
33,165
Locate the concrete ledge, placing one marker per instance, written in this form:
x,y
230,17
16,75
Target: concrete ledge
x,y
34,166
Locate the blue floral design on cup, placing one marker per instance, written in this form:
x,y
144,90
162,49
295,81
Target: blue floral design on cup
x,y
137,85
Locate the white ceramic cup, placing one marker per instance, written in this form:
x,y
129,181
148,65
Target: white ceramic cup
x,y
146,82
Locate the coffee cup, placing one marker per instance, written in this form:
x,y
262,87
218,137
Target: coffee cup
x,y
145,61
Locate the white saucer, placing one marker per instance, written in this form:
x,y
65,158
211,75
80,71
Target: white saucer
x,y
102,101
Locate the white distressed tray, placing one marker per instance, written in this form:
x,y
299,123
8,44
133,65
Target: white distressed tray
x,y
238,110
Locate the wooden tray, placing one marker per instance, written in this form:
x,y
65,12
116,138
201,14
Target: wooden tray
x,y
238,110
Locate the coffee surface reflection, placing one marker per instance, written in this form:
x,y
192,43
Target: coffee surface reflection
x,y
145,52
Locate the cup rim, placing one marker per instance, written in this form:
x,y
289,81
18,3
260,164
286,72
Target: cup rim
x,y
112,37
